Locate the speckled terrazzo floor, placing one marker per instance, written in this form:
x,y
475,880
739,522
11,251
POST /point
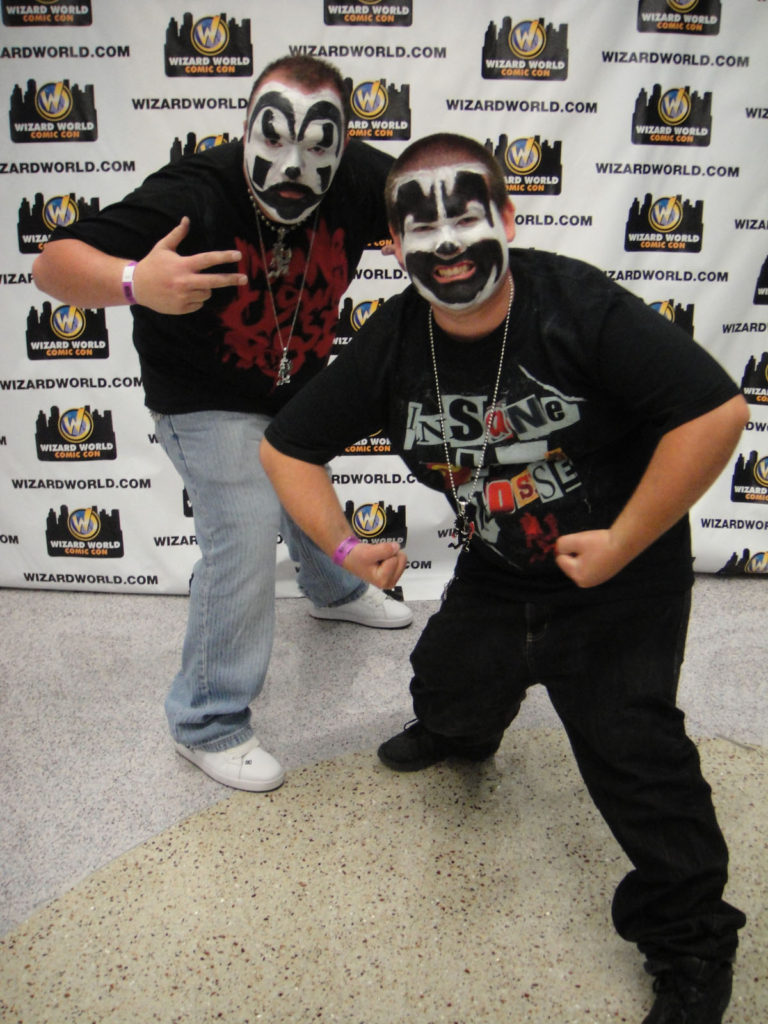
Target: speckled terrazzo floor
x,y
136,890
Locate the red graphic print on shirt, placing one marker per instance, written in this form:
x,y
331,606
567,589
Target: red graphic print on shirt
x,y
540,540
251,339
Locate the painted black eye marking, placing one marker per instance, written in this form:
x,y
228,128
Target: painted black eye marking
x,y
268,129
330,117
468,187
270,102
412,201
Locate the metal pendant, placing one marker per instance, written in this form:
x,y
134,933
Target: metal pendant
x,y
280,260
464,525
284,370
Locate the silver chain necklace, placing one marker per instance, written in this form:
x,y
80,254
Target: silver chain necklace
x,y
281,259
464,522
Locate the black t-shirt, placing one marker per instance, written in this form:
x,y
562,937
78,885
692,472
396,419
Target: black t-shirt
x,y
225,356
591,379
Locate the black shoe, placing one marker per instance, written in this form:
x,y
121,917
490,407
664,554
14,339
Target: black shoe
x,y
690,991
416,748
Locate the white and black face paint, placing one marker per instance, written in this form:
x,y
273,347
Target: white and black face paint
x,y
453,237
293,144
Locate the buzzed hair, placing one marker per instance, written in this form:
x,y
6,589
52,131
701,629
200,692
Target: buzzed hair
x,y
440,149
309,72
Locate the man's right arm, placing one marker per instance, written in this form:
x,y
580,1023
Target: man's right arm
x,y
307,495
75,272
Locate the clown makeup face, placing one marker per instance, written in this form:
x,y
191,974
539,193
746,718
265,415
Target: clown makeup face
x,y
453,237
293,145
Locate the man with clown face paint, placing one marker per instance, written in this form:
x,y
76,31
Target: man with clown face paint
x,y
293,146
571,428
454,239
234,261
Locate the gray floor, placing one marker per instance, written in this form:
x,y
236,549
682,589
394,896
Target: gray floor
x,y
92,789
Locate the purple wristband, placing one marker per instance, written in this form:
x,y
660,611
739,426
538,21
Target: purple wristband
x,y
127,282
344,548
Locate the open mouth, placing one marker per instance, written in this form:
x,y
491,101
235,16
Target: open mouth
x,y
448,273
293,192
288,194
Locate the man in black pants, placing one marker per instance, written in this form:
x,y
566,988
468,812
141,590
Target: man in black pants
x,y
571,428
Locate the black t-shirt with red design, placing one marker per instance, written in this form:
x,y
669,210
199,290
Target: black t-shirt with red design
x,y
226,355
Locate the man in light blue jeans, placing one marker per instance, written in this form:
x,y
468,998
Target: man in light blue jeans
x,y
232,609
234,262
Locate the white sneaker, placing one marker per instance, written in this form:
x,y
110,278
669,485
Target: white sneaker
x,y
374,608
246,766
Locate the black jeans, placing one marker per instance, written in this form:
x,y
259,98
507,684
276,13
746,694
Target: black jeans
x,y
611,671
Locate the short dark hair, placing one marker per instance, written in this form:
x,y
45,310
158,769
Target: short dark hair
x,y
442,148
310,72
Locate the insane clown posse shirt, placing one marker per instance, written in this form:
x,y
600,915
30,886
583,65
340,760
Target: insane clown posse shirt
x,y
227,355
591,379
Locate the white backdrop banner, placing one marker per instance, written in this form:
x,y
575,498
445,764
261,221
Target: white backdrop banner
x,y
635,138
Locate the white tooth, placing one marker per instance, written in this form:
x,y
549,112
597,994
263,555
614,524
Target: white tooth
x,y
449,272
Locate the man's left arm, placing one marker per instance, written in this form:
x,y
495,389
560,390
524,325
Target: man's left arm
x,y
686,462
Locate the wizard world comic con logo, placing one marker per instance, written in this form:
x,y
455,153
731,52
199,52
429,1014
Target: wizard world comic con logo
x,y
750,478
675,313
53,112
664,224
75,435
50,13
531,167
754,382
212,46
84,533
368,12
194,145
379,110
676,117
746,564
67,332
761,286
352,316
39,219
529,49
375,523
694,17
375,444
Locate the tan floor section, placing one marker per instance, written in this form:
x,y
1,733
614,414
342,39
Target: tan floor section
x,y
470,894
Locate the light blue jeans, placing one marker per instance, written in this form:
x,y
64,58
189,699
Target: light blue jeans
x,y
232,593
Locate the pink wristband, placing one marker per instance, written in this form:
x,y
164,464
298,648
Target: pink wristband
x,y
128,282
344,548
